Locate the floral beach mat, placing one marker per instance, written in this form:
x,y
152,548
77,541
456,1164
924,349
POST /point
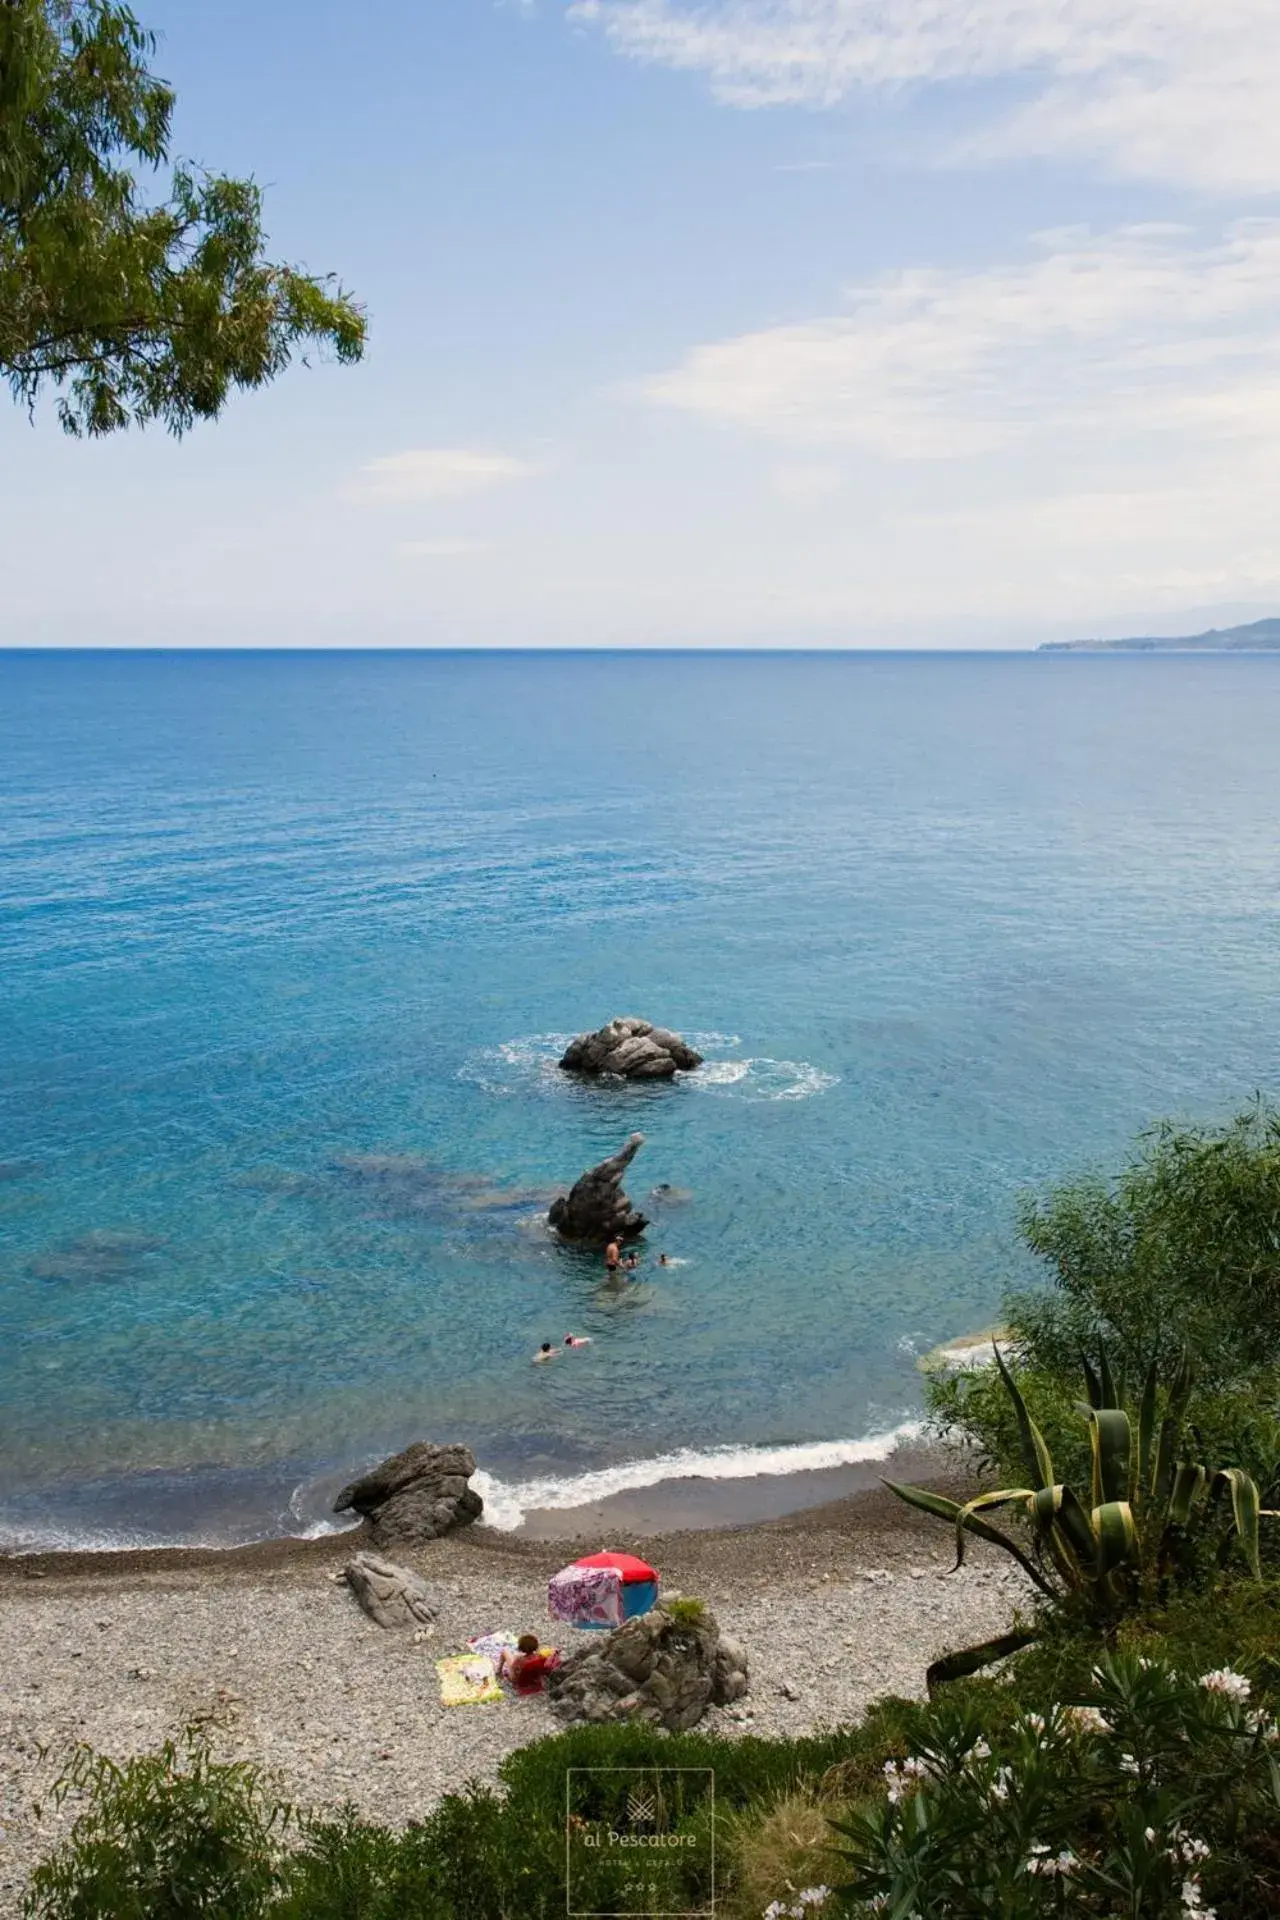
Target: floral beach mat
x,y
467,1680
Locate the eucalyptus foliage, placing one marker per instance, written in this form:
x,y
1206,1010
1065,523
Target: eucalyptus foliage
x,y
133,308
1143,1522
1179,1250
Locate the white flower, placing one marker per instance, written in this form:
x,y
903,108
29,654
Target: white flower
x,y
813,1896
898,1779
1192,1850
1064,1863
1000,1785
1233,1686
1193,1902
1087,1720
1151,1836
979,1751
1035,1721
1128,1764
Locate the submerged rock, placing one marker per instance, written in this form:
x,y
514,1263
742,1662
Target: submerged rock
x,y
102,1254
595,1209
633,1049
416,1495
391,1595
662,1668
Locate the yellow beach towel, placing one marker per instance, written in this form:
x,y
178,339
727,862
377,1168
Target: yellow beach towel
x,y
467,1679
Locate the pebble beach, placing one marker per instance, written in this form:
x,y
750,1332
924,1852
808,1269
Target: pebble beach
x,y
267,1649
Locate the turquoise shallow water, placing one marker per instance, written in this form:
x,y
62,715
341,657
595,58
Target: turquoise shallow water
x,y
950,925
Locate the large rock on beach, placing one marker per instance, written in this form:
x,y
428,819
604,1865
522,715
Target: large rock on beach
x,y
416,1495
595,1209
391,1595
632,1049
662,1668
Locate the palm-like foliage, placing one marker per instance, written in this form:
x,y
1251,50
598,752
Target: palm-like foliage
x,y
1106,1553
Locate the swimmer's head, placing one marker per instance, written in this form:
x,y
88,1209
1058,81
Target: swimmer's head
x,y
545,1347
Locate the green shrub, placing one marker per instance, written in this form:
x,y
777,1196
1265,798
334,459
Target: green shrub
x,y
167,1836
1179,1252
686,1613
1154,1796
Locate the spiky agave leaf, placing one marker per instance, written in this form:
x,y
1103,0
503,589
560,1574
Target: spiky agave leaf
x,y
1140,1480
1003,1497
959,1665
1034,1451
1116,1533
1180,1389
943,1509
1106,1381
1064,1527
1189,1480
1246,1505
1112,1438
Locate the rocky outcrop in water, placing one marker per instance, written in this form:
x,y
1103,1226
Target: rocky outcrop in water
x,y
632,1049
664,1668
595,1209
391,1595
416,1495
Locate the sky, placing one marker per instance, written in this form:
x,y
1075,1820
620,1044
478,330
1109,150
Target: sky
x,y
711,323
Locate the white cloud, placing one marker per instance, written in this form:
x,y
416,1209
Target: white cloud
x,y
1142,331
446,547
436,473
1182,90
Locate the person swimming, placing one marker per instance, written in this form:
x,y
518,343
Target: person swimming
x,y
577,1339
545,1352
633,1262
663,1260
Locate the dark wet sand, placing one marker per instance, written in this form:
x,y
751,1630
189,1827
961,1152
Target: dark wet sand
x,y
694,1526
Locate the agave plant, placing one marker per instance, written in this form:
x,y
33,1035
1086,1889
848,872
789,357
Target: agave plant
x,y
1108,1554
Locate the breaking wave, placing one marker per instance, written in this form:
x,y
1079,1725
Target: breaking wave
x,y
505,1505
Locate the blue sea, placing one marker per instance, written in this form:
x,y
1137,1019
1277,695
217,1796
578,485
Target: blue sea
x,y
289,944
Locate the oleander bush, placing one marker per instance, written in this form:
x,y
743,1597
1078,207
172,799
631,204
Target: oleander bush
x,y
1154,1796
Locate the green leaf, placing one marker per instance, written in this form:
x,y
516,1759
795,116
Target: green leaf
x,y
1107,1383
1245,1507
1034,1451
1146,1435
1092,1384
944,1509
1116,1535
958,1666
1188,1484
1059,1512
1112,1437
1171,1430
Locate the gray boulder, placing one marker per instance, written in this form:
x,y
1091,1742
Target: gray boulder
x,y
662,1668
416,1495
595,1209
391,1595
632,1049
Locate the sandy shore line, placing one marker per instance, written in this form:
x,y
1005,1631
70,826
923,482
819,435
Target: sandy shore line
x,y
836,1604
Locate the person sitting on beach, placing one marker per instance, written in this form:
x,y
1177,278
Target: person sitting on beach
x,y
612,1257
545,1352
577,1339
527,1668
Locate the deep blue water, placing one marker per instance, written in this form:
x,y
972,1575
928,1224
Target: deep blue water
x,y
952,924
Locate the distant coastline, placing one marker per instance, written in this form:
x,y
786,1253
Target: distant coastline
x,y
1260,636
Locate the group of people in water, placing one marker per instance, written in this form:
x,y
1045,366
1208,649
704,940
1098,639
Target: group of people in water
x,y
617,1267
